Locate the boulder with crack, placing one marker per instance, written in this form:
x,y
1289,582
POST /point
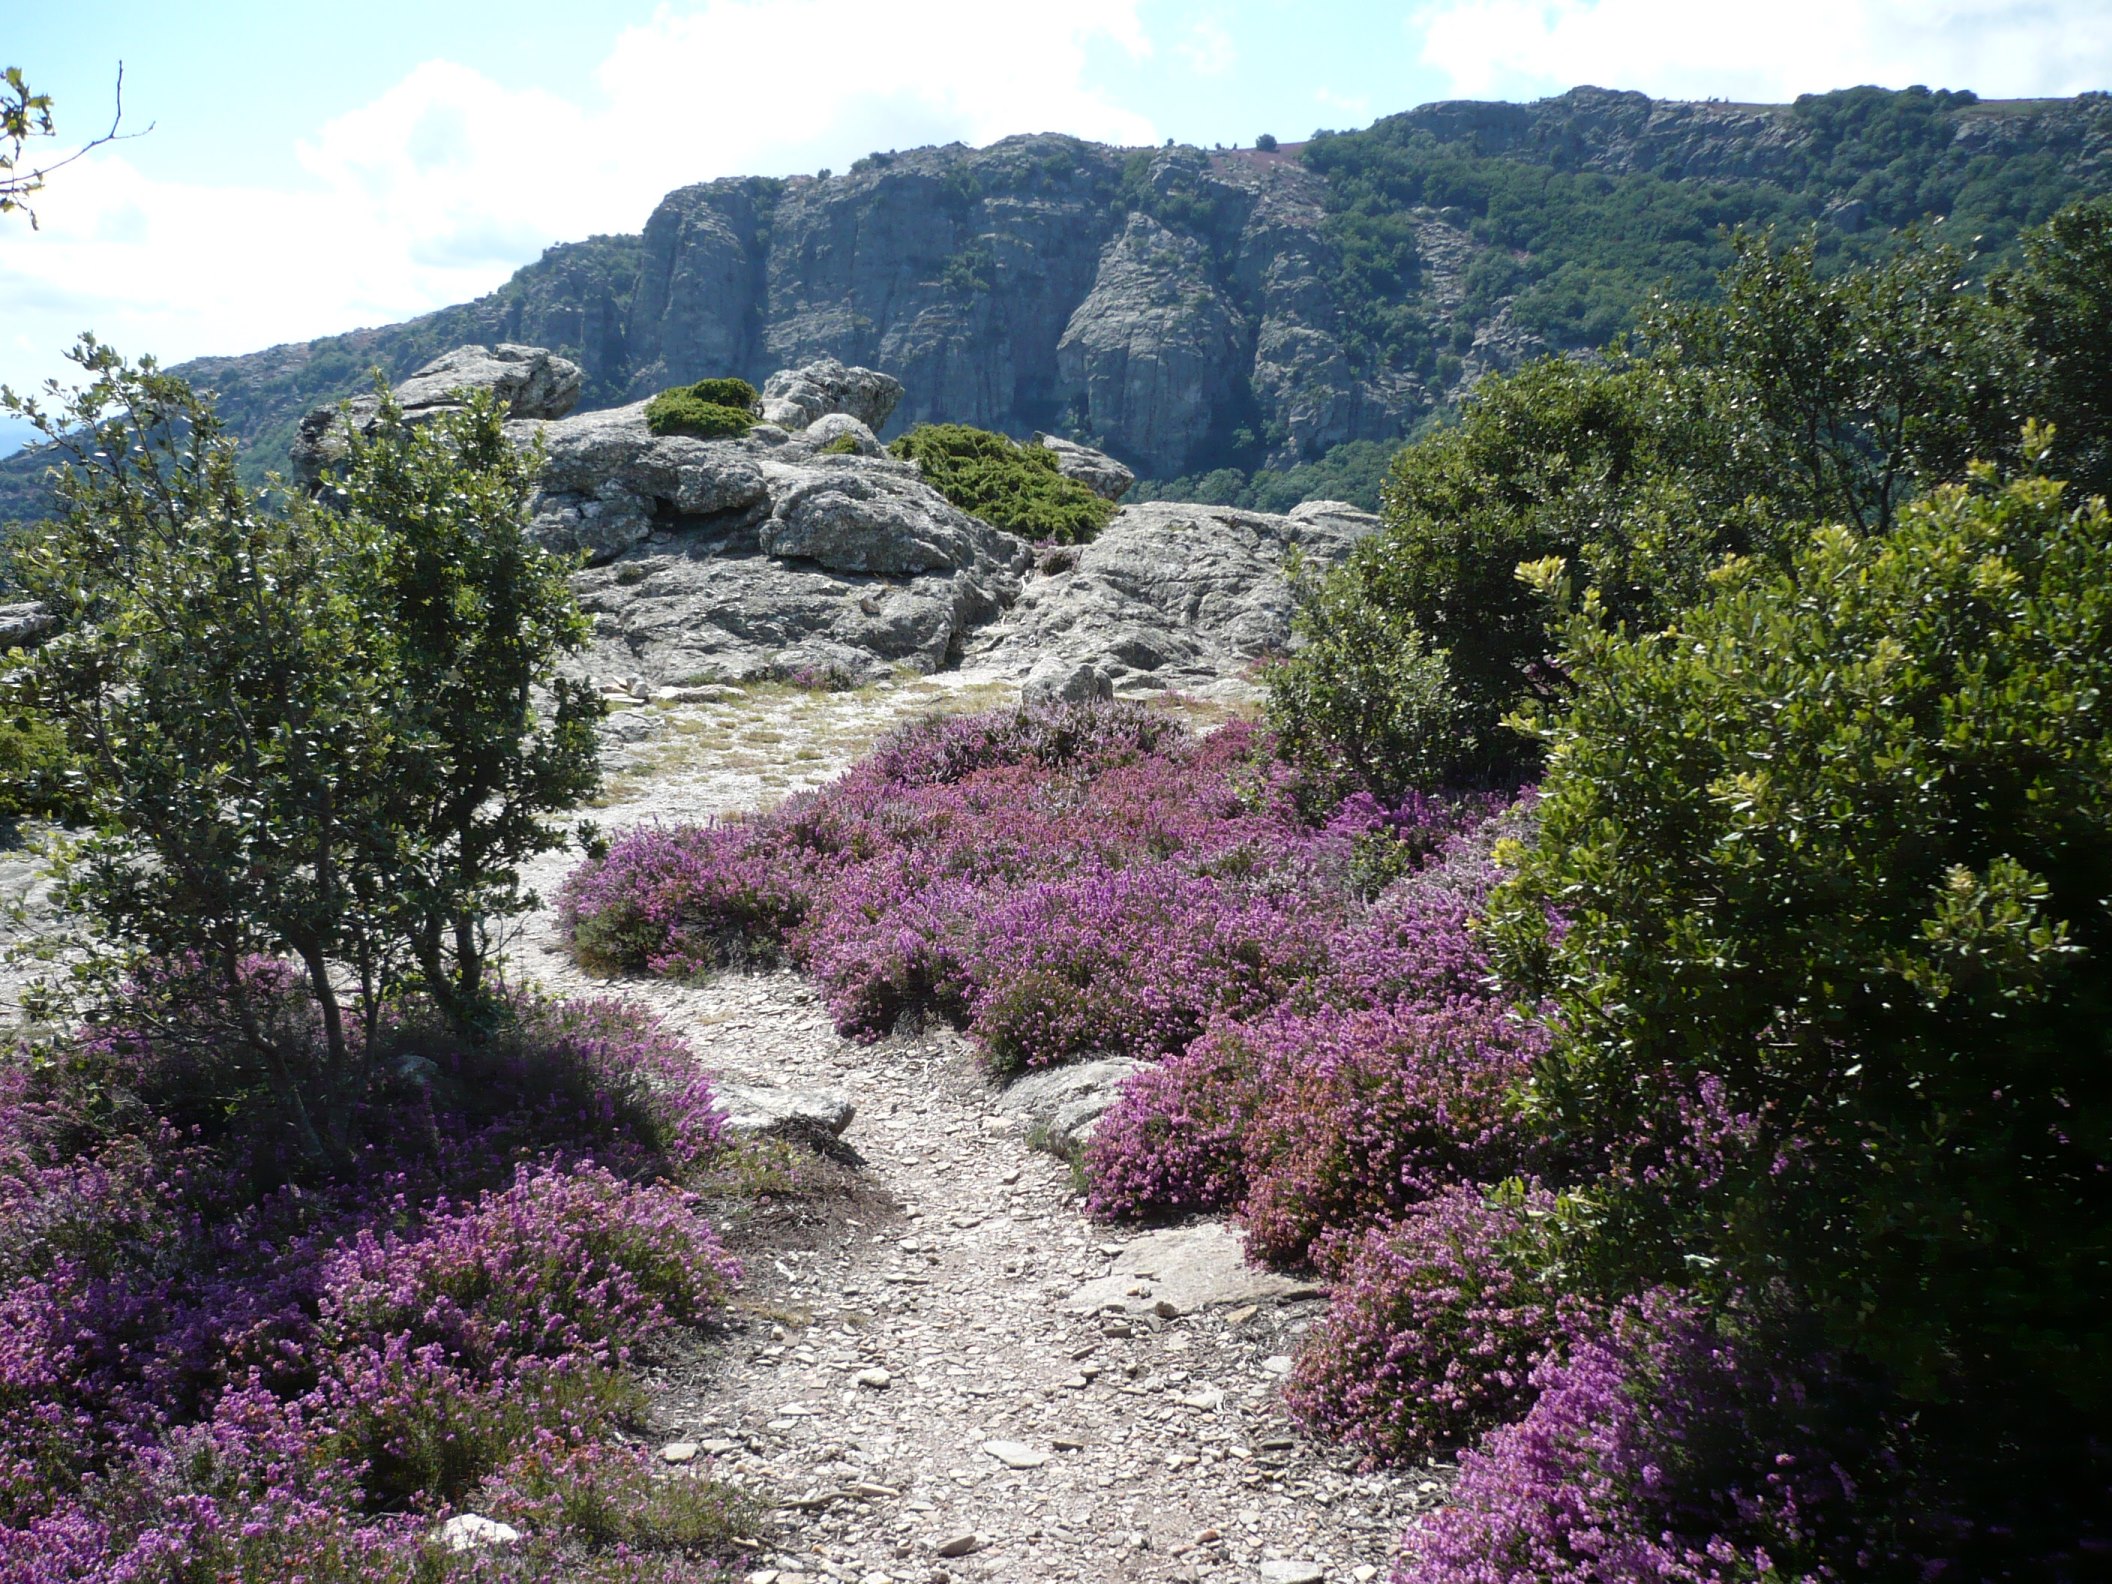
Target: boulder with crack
x,y
1061,1106
1169,595
796,398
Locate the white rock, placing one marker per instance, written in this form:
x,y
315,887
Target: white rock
x,y
469,1531
1292,1572
1016,1454
1190,1268
878,1379
679,1452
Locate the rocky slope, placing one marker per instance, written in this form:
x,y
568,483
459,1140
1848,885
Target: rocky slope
x,y
1184,308
781,553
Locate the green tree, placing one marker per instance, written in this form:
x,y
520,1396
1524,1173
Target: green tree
x,y
1599,465
1840,395
304,731
2057,314
477,615
1832,856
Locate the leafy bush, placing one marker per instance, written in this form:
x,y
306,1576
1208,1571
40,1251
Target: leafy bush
x,y
680,410
34,770
1424,640
1831,856
1015,487
303,727
1365,703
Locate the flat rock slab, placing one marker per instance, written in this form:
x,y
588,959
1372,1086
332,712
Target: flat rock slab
x,y
1186,1269
1016,1454
762,1109
1061,1107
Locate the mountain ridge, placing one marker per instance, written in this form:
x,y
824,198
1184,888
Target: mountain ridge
x,y
1192,309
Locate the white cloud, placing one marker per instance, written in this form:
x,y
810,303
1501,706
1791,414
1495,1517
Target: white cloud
x,y
436,190
1768,53
1208,49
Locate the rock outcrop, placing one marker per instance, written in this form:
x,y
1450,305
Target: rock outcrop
x,y
1096,470
1152,350
782,552
533,382
1168,596
797,398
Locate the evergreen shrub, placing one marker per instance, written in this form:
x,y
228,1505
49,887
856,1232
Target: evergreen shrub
x,y
1015,487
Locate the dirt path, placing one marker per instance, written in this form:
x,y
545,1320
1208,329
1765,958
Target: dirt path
x,y
917,1391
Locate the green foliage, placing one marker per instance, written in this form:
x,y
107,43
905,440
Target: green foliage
x,y
1365,702
1351,471
725,393
478,615
2055,310
1266,143
23,116
842,445
1728,427
969,272
35,769
302,731
702,410
1582,251
1840,394
1585,462
1014,487
1832,855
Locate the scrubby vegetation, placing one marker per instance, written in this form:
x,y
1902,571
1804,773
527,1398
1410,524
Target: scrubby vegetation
x,y
711,409
315,1233
1712,1140
1011,486
1729,427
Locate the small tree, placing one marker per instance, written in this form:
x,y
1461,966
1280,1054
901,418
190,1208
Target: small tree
x,y
478,616
303,730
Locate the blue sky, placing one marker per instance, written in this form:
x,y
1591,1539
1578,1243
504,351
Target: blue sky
x,y
313,167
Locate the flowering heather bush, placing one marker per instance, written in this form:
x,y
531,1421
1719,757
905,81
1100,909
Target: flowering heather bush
x,y
1436,1326
199,1379
562,1263
677,901
1172,1144
1663,1449
1377,1111
1135,960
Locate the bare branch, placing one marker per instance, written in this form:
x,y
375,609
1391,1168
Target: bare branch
x,y
24,115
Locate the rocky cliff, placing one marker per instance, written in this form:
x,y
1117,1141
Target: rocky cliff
x,y
1186,309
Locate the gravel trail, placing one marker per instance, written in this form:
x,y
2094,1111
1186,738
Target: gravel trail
x,y
911,1388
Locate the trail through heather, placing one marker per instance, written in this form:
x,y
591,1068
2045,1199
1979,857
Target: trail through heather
x,y
907,1382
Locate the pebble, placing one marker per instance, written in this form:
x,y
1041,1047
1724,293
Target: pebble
x,y
1016,1454
679,1452
1277,1364
877,1379
1292,1573
958,1546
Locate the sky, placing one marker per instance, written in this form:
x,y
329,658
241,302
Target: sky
x,y
303,167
